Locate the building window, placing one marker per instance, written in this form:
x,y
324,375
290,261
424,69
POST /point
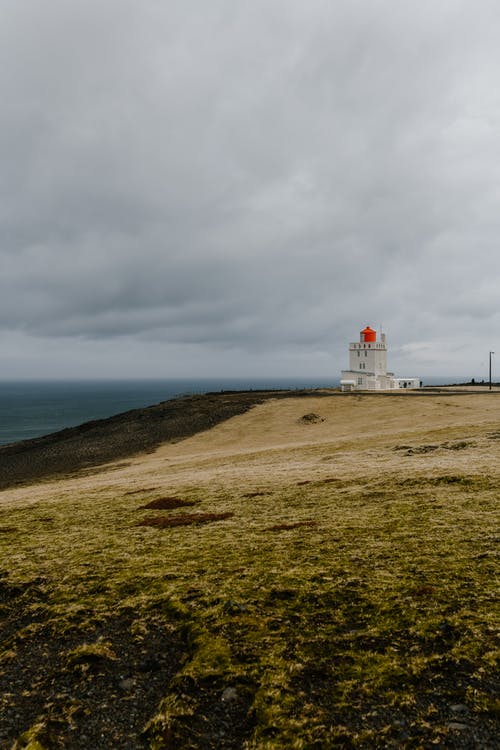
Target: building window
x,y
359,353
360,381
366,353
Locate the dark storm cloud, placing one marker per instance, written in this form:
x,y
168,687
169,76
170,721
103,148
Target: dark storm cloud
x,y
259,176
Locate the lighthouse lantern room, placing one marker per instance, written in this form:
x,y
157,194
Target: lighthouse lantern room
x,y
368,366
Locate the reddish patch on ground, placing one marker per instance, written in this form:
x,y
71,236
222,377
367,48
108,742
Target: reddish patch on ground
x,y
256,494
184,519
7,529
286,526
304,481
168,503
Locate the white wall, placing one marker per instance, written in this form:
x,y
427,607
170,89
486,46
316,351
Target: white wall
x,y
371,357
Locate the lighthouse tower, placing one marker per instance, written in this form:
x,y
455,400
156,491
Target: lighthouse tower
x,y
368,366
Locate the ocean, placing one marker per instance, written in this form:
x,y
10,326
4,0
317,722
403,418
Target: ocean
x,y
29,409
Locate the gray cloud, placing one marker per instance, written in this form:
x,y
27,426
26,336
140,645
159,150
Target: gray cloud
x,y
239,187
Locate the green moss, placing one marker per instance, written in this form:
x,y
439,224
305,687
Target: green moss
x,y
37,737
367,615
90,654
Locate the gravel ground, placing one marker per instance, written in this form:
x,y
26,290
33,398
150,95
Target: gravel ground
x,y
96,685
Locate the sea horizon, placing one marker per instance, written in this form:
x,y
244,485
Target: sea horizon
x,y
31,408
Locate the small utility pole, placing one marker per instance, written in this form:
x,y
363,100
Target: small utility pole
x,y
490,369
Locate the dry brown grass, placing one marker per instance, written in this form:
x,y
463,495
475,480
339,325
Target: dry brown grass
x,y
141,491
288,526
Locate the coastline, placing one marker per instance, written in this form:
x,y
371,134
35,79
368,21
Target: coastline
x,y
121,436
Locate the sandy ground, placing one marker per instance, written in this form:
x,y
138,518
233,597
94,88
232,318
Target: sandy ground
x,y
270,445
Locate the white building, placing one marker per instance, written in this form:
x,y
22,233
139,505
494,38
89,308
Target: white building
x,y
368,366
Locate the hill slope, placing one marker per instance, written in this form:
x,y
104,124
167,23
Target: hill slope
x,y
313,573
132,432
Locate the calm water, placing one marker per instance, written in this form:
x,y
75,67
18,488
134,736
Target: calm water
x,y
33,408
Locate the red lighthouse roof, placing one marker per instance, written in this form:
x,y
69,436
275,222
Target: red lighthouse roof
x,y
368,334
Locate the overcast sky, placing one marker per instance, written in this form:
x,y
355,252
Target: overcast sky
x,y
237,187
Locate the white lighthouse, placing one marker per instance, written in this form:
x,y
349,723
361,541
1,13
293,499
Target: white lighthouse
x,y
368,366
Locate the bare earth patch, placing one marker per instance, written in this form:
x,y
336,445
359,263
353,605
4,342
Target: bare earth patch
x,y
167,503
311,418
184,519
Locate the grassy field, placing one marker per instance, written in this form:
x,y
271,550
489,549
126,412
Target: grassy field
x,y
315,573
